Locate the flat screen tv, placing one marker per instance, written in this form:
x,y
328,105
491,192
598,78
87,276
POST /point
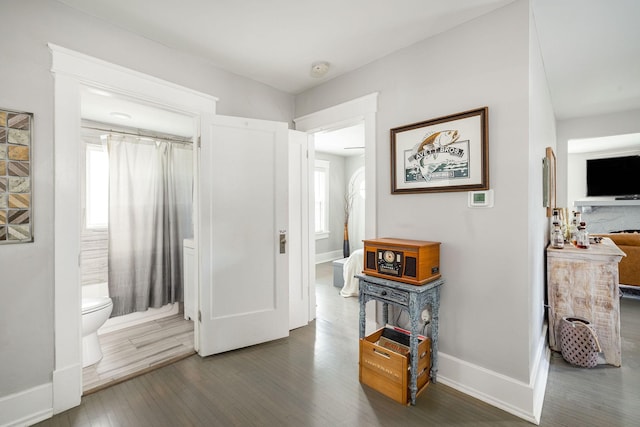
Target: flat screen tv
x,y
614,176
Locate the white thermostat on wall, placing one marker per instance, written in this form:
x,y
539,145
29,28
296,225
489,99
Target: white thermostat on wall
x,y
481,199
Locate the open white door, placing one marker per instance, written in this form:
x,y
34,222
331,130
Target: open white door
x,y
243,272
298,230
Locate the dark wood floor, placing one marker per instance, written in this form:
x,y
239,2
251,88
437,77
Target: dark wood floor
x,y
311,379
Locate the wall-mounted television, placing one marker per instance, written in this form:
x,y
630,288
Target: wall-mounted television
x,y
614,176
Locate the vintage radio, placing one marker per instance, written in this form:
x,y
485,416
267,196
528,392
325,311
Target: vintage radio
x,y
409,261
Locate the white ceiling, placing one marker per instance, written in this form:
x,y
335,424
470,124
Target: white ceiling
x,y
344,142
591,54
101,106
590,48
615,143
275,42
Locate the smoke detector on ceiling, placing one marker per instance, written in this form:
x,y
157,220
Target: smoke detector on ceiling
x,y
319,69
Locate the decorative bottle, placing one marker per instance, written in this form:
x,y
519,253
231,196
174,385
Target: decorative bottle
x,y
582,238
557,238
573,230
555,219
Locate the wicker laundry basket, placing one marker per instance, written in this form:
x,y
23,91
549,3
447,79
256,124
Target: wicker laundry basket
x,y
579,342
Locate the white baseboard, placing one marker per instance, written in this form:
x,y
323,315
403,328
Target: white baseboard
x,y
516,397
67,388
540,374
27,407
328,256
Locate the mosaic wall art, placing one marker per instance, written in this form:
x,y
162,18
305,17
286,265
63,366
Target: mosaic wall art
x,y
15,177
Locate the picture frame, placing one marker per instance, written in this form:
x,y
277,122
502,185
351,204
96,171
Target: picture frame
x,y
16,186
549,181
449,153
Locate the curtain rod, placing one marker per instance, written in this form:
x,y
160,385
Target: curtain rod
x,y
142,135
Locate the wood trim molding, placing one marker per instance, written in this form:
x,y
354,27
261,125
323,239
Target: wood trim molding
x,y
521,399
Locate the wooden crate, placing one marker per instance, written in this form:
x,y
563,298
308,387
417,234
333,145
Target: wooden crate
x,y
388,372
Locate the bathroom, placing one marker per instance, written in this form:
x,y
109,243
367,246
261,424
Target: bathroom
x,y
137,227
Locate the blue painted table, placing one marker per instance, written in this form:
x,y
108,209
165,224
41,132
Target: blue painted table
x,y
412,298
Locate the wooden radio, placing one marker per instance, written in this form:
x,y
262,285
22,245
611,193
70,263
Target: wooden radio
x,y
409,261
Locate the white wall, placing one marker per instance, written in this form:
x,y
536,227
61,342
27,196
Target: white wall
x,y
352,164
487,64
490,314
26,83
357,217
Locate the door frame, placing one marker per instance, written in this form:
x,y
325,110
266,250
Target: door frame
x,y
299,220
343,115
72,71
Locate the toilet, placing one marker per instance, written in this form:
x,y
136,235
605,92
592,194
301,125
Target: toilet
x,y
95,311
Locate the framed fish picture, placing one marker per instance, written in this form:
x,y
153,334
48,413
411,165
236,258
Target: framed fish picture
x,y
448,153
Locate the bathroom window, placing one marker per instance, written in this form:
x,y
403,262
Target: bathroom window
x,y
321,187
97,188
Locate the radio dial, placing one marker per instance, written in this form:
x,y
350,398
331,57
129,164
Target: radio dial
x,y
389,256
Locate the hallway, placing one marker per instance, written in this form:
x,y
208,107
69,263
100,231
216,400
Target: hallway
x,y
311,379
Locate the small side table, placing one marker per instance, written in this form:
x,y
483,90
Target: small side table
x,y
414,299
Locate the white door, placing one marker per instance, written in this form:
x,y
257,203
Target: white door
x,y
243,272
298,230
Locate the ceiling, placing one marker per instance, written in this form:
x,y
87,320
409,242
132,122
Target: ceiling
x,y
275,42
344,142
614,143
106,107
591,54
590,48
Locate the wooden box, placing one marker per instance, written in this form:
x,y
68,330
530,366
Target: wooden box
x,y
415,262
388,372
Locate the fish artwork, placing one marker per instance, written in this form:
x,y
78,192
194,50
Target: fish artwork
x,y
432,141
430,145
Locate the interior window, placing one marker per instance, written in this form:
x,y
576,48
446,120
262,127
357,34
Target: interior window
x,y
97,188
321,187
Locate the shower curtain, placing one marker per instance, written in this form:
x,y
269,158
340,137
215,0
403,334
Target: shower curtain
x,y
150,204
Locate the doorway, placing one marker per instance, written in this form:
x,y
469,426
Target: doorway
x,y
226,319
339,158
136,185
73,72
357,111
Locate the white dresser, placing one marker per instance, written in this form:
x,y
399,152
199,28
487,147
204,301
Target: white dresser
x,y
584,283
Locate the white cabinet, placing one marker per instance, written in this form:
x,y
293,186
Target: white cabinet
x,y
189,280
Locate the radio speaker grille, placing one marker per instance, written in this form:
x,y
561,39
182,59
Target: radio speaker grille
x,y
371,260
410,267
